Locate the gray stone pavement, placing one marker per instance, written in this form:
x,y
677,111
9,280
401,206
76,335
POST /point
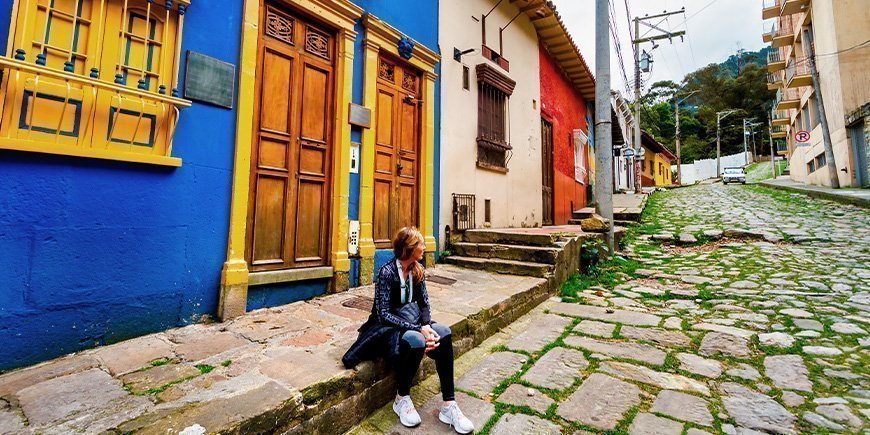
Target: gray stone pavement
x,y
759,326
268,371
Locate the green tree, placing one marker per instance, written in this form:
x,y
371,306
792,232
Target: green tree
x,y
739,83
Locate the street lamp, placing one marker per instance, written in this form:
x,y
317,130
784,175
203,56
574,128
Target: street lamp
x,y
719,117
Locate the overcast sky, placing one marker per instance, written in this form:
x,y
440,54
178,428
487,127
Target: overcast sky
x,y
715,30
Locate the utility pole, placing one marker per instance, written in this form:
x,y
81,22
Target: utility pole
x,y
603,122
823,118
677,102
746,133
719,117
666,34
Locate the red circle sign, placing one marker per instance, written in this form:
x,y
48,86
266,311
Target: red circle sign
x,y
802,136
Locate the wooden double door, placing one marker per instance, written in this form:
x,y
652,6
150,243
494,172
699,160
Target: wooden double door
x,y
288,216
397,149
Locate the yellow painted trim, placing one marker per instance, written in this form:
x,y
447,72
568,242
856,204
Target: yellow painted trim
x,y
367,156
94,153
380,36
427,186
235,273
341,152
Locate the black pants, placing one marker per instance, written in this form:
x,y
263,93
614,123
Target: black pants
x,y
413,347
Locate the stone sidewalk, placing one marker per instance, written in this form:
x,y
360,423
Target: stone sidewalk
x,y
273,370
859,197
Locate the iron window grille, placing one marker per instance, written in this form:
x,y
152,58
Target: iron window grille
x,y
463,211
493,118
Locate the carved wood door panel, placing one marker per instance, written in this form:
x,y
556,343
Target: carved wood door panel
x,y
288,216
547,170
397,145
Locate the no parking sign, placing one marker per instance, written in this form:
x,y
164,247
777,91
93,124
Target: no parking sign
x,y
802,136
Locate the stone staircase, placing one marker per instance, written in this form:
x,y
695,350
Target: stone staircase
x,y
550,252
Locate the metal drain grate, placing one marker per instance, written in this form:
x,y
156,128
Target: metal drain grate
x,y
363,303
443,280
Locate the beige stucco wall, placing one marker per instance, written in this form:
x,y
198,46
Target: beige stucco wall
x,y
845,82
515,196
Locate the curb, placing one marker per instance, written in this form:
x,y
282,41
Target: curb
x,y
843,199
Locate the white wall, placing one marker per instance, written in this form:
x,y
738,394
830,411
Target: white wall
x,y
516,197
704,169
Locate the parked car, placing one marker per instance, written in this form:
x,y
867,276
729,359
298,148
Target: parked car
x,y
734,175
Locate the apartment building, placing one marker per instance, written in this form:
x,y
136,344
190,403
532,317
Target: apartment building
x,y
837,31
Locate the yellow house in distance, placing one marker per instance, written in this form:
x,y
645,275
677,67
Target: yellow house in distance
x,y
656,165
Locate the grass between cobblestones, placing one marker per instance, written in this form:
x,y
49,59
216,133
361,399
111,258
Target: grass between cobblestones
x,y
821,262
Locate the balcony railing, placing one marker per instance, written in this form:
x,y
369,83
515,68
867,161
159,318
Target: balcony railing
x,y
770,8
774,56
787,98
774,78
779,115
73,108
798,73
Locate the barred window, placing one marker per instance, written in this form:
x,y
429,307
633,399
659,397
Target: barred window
x,y
493,118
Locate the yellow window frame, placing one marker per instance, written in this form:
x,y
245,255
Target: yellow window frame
x,y
93,78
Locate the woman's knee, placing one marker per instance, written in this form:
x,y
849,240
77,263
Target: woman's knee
x,y
414,339
441,330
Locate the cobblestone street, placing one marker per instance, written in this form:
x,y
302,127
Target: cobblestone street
x,y
737,309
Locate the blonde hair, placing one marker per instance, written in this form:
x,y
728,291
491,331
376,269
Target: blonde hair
x,y
404,244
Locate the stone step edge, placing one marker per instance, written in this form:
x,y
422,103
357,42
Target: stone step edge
x,y
537,254
474,330
325,406
482,263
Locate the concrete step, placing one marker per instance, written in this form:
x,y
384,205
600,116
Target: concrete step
x,y
536,254
583,213
510,237
627,215
507,267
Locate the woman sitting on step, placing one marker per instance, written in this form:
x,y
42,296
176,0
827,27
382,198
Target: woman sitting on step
x,y
400,329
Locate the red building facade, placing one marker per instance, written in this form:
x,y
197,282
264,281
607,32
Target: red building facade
x,y
563,108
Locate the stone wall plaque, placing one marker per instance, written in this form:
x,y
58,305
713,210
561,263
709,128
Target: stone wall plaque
x,y
209,80
360,116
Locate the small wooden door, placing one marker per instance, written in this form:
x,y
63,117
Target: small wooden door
x,y
288,218
397,145
547,169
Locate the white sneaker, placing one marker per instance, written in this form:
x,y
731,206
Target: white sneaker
x,y
408,415
453,416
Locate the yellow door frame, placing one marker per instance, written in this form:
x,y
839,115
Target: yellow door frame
x,y
381,37
341,14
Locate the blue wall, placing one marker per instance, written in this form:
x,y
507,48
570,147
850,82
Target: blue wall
x,y
94,252
419,20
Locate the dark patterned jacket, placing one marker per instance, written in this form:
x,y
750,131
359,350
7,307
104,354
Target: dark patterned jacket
x,y
379,336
